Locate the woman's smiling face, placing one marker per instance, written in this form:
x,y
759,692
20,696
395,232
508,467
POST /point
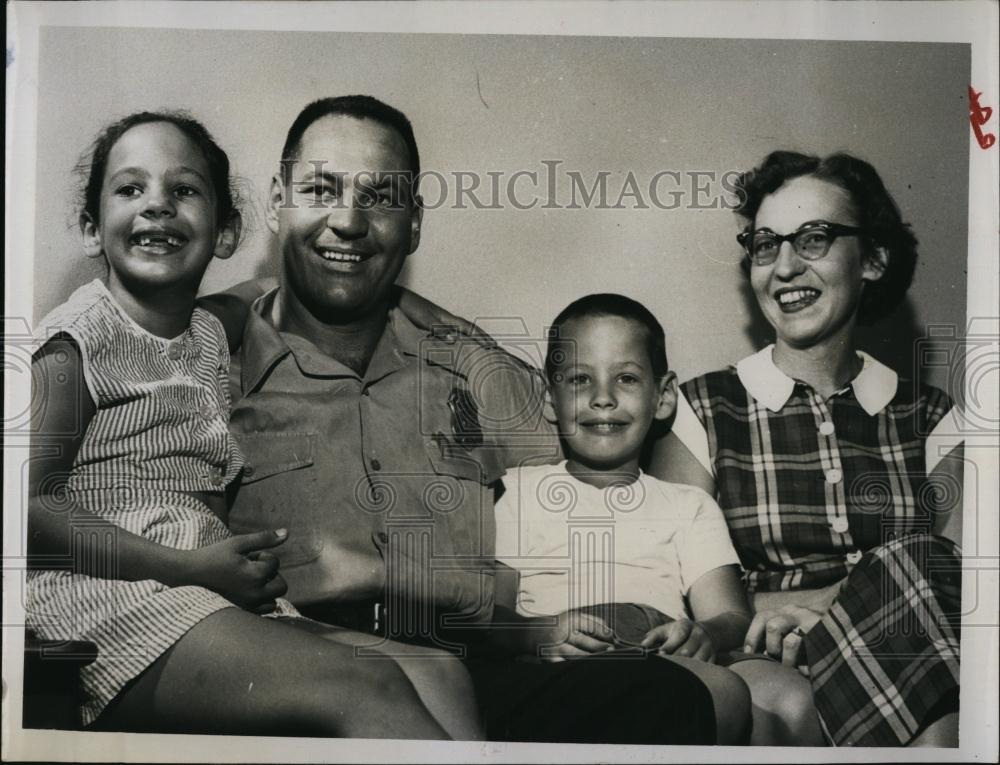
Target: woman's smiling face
x,y
810,301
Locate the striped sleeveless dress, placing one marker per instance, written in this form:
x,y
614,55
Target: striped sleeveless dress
x,y
160,429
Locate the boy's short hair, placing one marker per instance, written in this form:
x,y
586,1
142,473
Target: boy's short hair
x,y
607,304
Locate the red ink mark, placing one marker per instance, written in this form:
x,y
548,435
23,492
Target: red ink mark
x,y
979,116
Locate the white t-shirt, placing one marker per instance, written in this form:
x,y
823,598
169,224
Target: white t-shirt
x,y
576,545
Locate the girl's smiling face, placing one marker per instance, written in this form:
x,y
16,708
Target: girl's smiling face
x,y
812,301
158,227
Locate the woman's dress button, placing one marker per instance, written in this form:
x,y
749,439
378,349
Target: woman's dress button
x,y
833,475
839,525
826,428
854,557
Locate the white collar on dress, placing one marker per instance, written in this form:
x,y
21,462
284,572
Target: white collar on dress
x,y
874,386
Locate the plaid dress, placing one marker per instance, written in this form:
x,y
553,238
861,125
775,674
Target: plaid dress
x,y
819,491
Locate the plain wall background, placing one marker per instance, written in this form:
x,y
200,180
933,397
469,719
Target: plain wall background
x,y
505,103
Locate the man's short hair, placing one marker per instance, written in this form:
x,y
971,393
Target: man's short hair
x,y
359,107
607,304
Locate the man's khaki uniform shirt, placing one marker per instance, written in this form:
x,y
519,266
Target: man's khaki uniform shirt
x,y
384,481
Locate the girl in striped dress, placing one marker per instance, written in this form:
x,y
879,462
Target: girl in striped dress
x,y
129,466
840,480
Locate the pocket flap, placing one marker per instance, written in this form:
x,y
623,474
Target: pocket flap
x,y
270,453
483,465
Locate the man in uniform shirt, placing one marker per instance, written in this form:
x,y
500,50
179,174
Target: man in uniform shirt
x,y
379,447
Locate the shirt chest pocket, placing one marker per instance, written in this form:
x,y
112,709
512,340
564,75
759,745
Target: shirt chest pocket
x,y
277,491
482,465
460,493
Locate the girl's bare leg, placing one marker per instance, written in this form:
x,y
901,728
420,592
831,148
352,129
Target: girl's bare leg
x,y
784,713
237,673
729,695
441,681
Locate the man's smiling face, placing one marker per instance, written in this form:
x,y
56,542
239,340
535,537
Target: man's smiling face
x,y
345,217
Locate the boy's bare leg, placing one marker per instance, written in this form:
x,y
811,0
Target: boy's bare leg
x,y
237,673
443,684
784,713
729,695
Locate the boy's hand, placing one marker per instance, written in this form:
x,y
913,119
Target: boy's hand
x,y
575,634
241,570
681,637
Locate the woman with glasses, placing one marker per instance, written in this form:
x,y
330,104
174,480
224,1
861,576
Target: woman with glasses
x,y
828,465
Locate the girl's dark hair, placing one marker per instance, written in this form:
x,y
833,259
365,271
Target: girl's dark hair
x,y
93,167
875,209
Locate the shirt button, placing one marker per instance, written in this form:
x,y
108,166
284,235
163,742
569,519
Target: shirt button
x,y
839,525
248,469
376,465
826,428
207,411
854,557
174,352
218,480
833,475
366,392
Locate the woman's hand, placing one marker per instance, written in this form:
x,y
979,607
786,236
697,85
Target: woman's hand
x,y
780,631
681,637
575,634
241,569
427,315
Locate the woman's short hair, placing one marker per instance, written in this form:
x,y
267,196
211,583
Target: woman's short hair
x,y
874,207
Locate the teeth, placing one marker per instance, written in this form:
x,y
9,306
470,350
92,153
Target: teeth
x,y
340,257
605,427
146,240
785,298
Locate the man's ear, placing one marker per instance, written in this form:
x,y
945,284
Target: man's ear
x,y
668,397
875,265
416,219
275,201
91,236
229,236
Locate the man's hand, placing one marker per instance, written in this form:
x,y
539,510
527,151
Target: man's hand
x,y
779,631
575,634
240,569
681,637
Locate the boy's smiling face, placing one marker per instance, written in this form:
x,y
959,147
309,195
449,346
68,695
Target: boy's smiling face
x,y
605,396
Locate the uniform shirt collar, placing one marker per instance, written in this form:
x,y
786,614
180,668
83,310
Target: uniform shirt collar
x,y
263,347
874,386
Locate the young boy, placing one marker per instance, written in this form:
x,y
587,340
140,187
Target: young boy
x,y
608,551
